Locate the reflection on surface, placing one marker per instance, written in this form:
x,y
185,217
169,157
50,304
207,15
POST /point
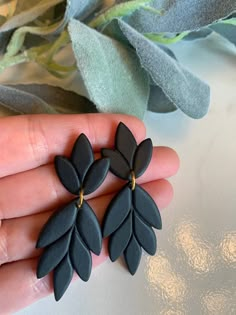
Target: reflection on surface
x,y
218,303
163,279
173,312
228,248
199,254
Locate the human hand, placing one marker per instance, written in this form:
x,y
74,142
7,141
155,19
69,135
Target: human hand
x,y
30,190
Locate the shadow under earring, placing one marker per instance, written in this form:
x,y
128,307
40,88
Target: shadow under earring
x,y
132,212
73,231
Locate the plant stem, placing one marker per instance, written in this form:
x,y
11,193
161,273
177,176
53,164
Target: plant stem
x,y
160,38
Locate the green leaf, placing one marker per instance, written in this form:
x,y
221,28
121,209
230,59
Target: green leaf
x,y
226,30
121,10
182,88
181,15
79,10
23,102
229,21
112,74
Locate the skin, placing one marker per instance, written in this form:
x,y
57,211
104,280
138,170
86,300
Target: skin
x,y
30,190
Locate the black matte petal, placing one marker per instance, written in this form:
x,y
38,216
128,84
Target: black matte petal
x,y
132,255
120,239
146,207
62,277
118,164
125,143
96,175
57,225
142,157
145,236
80,257
82,156
67,174
89,228
52,255
117,211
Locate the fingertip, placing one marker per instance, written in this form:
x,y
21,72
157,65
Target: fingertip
x,y
166,195
168,161
174,161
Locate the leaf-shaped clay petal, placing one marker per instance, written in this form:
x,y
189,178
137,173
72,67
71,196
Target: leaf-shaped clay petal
x,y
133,255
96,175
62,277
117,211
82,156
53,254
120,239
118,164
146,207
125,143
145,235
67,174
57,225
89,228
142,157
80,257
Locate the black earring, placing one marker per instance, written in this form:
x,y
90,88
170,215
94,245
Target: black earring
x,y
132,212
72,232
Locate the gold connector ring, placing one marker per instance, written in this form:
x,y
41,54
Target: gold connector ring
x,y
133,180
81,198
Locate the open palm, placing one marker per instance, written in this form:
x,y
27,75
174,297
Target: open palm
x,y
30,190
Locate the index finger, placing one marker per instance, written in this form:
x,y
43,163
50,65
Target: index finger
x,y
29,141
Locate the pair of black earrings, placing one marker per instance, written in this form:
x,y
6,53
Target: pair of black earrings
x,y
73,232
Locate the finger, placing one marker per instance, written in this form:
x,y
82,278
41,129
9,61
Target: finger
x,y
25,230
40,189
30,141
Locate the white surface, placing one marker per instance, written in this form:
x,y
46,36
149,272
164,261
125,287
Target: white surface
x,y
193,271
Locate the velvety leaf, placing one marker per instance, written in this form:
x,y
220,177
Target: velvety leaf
x,y
199,34
89,228
117,211
58,100
120,239
96,175
57,225
78,10
180,15
52,255
184,90
125,143
82,156
146,207
67,174
27,13
158,102
118,164
80,257
226,30
62,277
111,83
23,102
145,236
142,158
133,255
